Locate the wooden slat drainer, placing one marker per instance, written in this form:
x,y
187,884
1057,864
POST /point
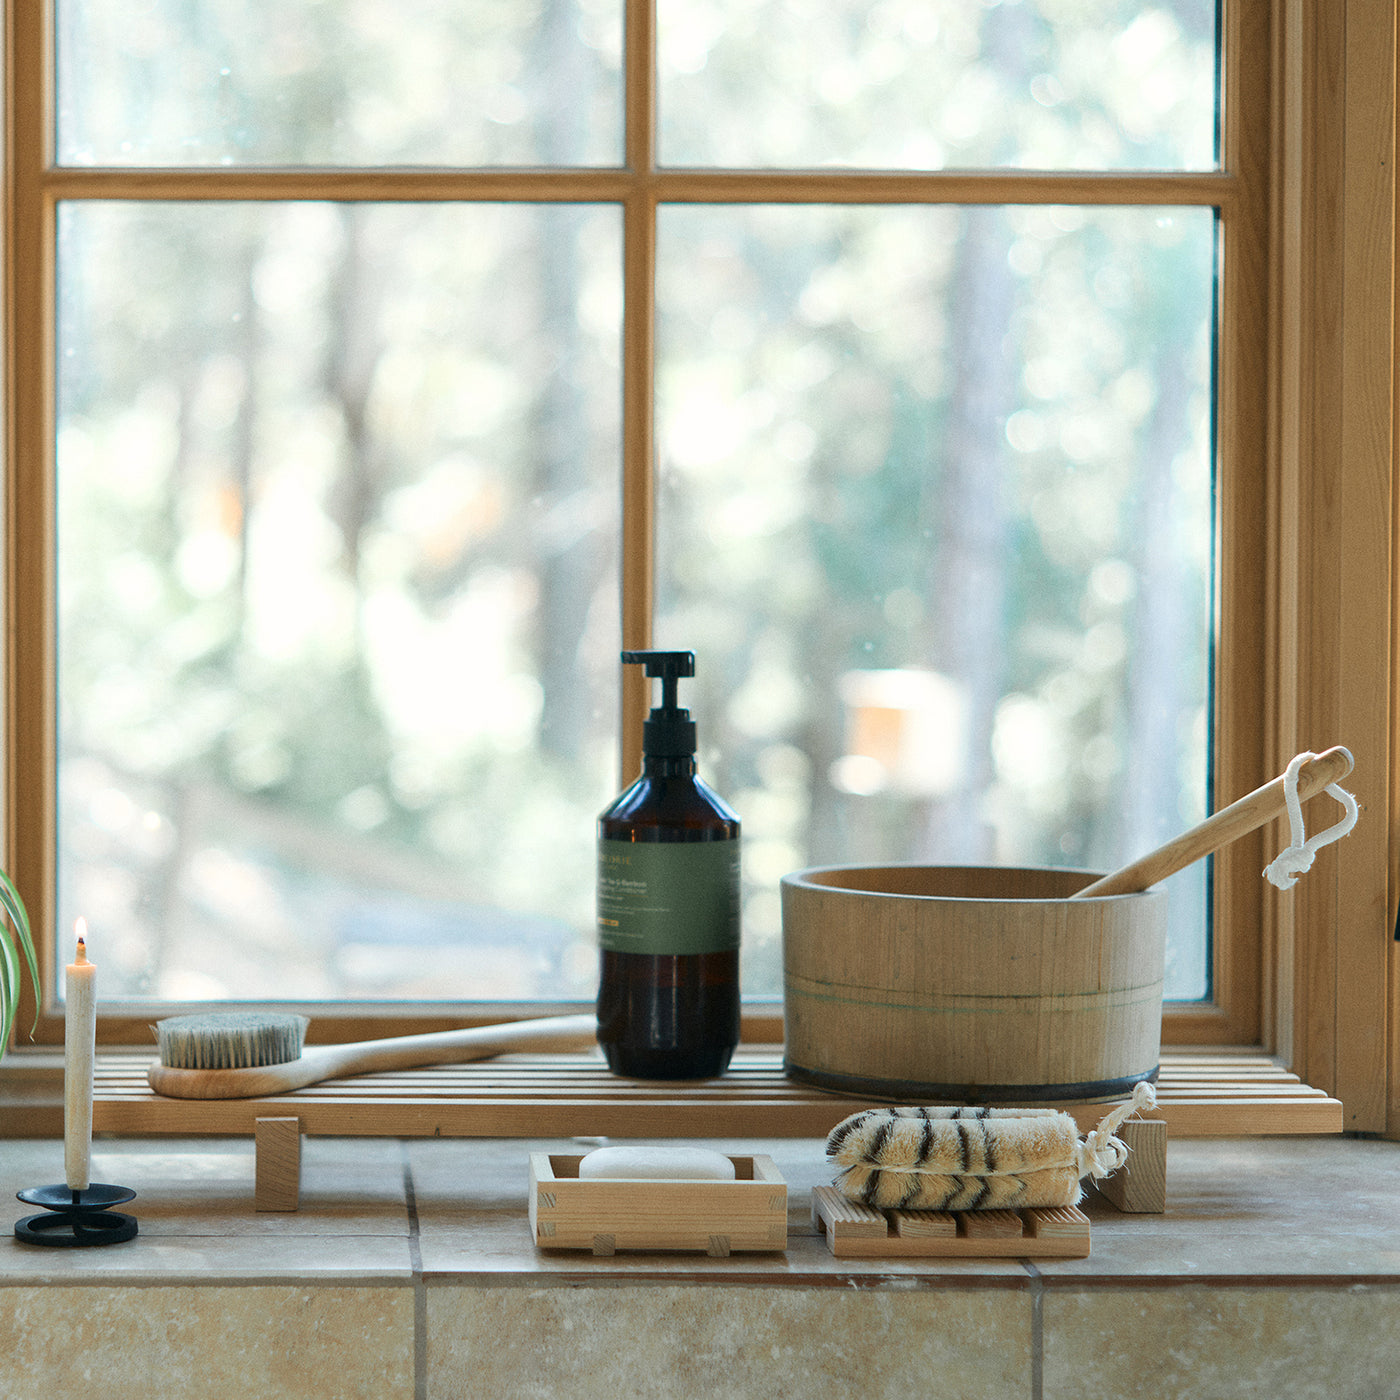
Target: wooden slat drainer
x,y
562,1096
855,1231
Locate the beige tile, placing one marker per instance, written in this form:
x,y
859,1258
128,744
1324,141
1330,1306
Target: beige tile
x,y
196,1217
1315,1207
484,1245
454,1174
663,1342
1218,1343
348,1187
215,1343
203,1185
209,1258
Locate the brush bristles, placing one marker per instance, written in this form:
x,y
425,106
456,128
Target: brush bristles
x,y
230,1040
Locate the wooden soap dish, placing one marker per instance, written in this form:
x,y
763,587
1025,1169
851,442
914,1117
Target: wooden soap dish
x,y
605,1216
855,1231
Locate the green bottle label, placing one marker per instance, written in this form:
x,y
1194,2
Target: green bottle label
x,y
668,897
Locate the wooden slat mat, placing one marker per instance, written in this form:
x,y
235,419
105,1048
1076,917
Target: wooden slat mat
x,y
1200,1094
855,1231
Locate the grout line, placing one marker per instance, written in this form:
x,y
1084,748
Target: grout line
x,y
420,1296
1037,1280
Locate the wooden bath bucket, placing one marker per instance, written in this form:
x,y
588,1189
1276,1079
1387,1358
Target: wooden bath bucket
x,y
961,984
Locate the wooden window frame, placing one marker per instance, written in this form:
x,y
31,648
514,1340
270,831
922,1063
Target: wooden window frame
x,y
1306,506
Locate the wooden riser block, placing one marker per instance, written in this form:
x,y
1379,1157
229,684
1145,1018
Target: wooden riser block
x,y
277,1168
854,1231
606,1216
1139,1186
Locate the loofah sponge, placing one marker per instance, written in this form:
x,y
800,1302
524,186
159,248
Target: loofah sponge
x,y
973,1158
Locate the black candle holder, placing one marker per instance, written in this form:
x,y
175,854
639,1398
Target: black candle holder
x,y
76,1218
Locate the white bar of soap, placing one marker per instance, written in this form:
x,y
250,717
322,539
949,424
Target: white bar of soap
x,y
656,1164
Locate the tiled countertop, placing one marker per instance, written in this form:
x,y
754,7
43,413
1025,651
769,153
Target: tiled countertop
x,y
409,1271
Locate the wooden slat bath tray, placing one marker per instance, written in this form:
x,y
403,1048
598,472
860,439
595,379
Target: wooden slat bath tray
x,y
856,1231
1216,1094
1200,1094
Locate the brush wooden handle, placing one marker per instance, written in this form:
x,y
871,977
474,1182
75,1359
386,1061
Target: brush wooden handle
x,y
321,1062
1227,825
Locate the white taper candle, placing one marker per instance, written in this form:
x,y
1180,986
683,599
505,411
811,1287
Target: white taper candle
x,y
79,1051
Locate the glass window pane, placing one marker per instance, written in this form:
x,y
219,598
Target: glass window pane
x,y
935,512
939,84
354,82
337,531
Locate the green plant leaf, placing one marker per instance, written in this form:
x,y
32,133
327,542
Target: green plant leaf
x,y
12,945
9,987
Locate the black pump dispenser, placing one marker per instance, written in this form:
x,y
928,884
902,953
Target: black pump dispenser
x,y
669,731
668,903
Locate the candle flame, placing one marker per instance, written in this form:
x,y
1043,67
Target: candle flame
x,y
80,928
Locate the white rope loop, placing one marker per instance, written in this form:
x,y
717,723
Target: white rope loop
x,y
1100,1154
1297,858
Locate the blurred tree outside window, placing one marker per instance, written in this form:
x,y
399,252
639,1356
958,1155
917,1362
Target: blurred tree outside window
x,y
337,540
348,362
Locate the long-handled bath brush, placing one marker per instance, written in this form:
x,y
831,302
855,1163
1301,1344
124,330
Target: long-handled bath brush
x,y
244,1055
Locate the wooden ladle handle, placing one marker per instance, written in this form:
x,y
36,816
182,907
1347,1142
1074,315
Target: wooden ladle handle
x,y
1227,825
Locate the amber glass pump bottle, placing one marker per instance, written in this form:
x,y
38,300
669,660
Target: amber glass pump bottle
x,y
668,904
